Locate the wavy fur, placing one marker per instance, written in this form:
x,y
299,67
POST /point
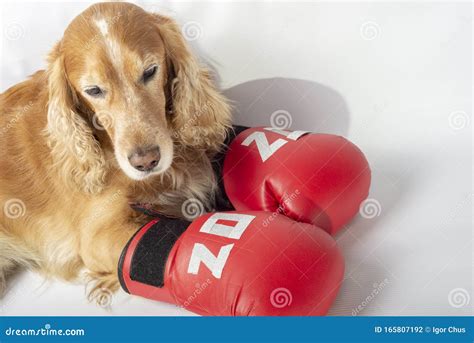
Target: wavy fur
x,y
64,172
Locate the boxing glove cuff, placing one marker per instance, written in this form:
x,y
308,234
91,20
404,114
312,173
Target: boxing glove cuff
x,y
143,260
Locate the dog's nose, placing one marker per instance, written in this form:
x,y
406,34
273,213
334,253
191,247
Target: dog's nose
x,y
145,159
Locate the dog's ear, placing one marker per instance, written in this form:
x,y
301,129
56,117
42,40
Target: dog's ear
x,y
200,114
75,151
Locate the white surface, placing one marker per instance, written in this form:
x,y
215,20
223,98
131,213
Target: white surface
x,y
393,95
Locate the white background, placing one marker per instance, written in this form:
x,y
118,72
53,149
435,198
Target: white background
x,y
395,78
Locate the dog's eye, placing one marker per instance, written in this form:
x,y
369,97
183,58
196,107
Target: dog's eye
x,y
149,72
94,91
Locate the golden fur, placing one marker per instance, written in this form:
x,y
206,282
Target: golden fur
x,y
64,193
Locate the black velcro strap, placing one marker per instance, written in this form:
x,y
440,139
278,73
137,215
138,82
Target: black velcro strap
x,y
150,255
222,201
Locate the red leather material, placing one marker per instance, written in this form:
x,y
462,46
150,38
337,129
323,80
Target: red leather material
x,y
317,178
281,268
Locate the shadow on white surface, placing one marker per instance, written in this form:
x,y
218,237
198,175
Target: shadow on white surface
x,y
368,281
291,103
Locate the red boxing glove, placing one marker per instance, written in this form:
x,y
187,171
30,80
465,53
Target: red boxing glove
x,y
313,178
231,264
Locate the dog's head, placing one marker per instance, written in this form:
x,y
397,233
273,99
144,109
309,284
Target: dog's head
x,y
125,80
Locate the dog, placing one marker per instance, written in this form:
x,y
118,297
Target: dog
x,y
124,113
